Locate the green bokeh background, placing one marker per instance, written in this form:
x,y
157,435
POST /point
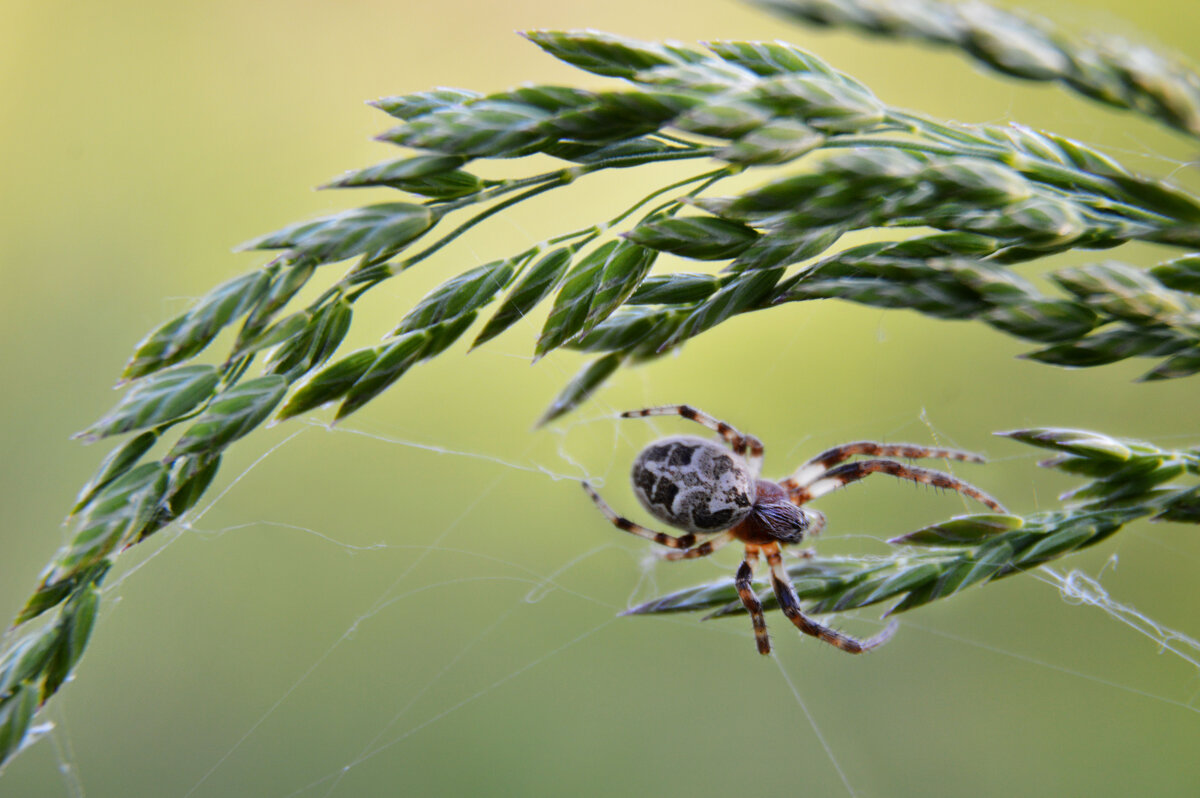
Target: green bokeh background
x,y
429,605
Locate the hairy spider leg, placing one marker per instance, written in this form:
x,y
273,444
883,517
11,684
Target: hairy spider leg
x,y
745,445
790,604
703,550
814,468
843,475
745,589
681,542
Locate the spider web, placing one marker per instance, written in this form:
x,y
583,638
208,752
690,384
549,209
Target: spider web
x,y
443,619
434,657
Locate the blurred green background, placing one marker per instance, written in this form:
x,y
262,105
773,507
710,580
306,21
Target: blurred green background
x,y
428,607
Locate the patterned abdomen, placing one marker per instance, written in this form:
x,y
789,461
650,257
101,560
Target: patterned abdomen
x,y
693,484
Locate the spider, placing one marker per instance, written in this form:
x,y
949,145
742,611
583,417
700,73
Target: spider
x,y
698,486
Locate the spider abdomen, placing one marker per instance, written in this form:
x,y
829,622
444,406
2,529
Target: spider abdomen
x,y
693,484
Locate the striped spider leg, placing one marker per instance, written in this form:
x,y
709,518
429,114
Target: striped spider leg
x,y
789,602
744,582
741,444
817,478
682,544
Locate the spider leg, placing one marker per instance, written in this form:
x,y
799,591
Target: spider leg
x,y
746,445
790,604
835,478
818,465
681,542
703,550
745,588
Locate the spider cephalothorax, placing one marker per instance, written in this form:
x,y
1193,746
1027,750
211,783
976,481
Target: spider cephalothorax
x,y
710,491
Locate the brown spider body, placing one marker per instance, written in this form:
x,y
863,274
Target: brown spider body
x,y
772,519
709,491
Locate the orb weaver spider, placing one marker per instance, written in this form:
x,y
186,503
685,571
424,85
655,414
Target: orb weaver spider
x,y
708,491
